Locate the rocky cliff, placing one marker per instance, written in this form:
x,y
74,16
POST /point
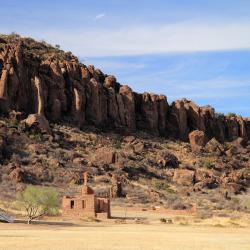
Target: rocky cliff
x,y
36,78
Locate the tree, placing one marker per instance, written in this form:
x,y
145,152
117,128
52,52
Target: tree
x,y
38,202
231,115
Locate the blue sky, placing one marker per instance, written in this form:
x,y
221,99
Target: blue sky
x,y
198,49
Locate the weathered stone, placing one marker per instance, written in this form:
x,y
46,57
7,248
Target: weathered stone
x,y
38,121
110,82
184,177
104,156
178,126
129,139
197,140
166,159
127,107
213,146
17,175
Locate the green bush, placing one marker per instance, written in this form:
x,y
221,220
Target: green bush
x,y
38,202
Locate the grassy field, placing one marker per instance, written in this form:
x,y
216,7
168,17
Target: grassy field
x,y
99,236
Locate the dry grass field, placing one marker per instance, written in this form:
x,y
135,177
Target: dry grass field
x,y
122,237
186,232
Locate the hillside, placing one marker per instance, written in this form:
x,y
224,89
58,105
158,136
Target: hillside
x,y
60,118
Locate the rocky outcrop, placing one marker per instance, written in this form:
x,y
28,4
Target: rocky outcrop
x,y
36,78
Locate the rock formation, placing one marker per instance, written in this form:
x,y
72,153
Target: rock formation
x,y
36,78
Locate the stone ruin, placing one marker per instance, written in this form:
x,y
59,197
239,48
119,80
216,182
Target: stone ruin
x,y
86,203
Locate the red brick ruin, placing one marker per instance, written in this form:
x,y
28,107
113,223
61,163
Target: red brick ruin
x,y
86,204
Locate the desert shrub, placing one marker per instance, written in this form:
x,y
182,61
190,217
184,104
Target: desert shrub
x,y
234,204
180,205
227,146
184,223
205,214
2,46
162,186
246,203
218,225
219,115
166,221
208,163
36,137
116,143
163,220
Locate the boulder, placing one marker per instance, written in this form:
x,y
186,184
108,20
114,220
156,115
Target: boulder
x,y
213,146
79,161
166,159
197,140
16,116
205,178
239,142
138,147
129,139
184,177
17,175
104,156
39,122
37,148
234,188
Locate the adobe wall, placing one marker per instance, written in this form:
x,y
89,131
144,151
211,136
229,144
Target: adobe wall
x,y
102,206
78,210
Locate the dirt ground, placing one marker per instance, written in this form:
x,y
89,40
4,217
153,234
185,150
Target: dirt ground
x,y
99,236
186,232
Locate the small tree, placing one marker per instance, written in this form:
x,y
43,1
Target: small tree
x,y
38,201
231,115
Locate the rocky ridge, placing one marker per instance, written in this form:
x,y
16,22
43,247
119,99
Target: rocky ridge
x,y
38,79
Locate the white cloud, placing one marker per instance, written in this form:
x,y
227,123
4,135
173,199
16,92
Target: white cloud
x,y
172,38
100,16
149,39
